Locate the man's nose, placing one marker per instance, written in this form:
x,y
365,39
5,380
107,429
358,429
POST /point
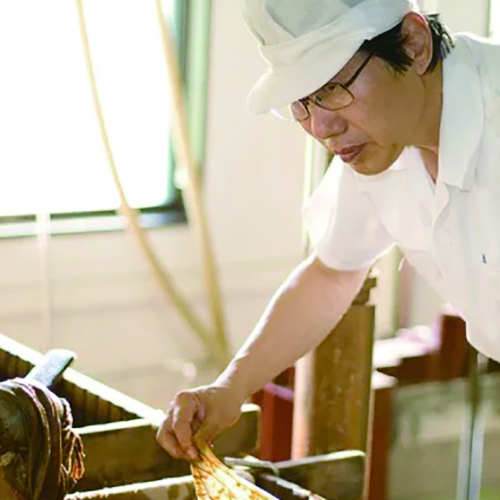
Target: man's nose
x,y
325,123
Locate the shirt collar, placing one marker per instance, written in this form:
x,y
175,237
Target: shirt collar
x,y
462,117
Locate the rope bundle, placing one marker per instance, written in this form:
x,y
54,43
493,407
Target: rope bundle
x,y
41,455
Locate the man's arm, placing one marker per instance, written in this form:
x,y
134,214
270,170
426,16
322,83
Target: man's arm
x,y
301,314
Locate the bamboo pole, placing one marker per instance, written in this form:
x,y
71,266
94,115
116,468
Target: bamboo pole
x,y
164,280
192,193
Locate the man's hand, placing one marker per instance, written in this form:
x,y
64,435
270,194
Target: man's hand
x,y
206,411
301,314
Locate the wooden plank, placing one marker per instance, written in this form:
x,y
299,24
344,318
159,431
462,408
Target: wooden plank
x,y
242,438
338,474
82,392
179,488
128,407
124,451
51,367
363,296
284,490
381,435
276,403
128,451
333,476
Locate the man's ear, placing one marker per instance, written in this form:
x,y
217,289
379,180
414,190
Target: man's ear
x,y
417,41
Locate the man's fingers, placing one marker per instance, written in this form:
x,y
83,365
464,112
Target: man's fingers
x,y
200,413
166,437
168,441
208,430
182,420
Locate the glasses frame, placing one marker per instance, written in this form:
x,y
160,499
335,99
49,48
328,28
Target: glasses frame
x,y
304,102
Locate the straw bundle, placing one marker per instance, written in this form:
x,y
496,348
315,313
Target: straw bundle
x,y
213,480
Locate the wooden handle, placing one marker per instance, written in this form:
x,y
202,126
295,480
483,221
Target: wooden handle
x,y
48,371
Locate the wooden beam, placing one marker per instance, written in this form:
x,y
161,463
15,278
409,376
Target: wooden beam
x,y
332,391
332,387
381,434
284,490
276,403
179,488
334,476
128,451
91,401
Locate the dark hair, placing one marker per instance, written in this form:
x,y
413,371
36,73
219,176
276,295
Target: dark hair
x,y
389,46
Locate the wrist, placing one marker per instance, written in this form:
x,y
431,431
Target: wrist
x,y
233,381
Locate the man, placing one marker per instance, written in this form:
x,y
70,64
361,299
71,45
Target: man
x,y
413,118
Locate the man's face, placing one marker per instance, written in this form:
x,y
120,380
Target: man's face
x,y
384,117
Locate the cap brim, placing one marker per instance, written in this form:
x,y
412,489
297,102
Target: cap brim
x,y
288,84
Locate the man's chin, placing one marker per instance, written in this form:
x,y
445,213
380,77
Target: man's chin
x,y
368,169
370,164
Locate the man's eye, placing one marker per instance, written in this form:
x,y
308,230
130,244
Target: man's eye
x,y
318,99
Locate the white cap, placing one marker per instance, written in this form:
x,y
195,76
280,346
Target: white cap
x,y
307,42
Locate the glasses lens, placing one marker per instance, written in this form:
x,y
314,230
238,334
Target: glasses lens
x,y
333,98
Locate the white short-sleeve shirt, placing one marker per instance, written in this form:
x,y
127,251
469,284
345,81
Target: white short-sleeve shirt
x,y
449,231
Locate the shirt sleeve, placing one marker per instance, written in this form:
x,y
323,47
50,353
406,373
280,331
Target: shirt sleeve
x,y
341,222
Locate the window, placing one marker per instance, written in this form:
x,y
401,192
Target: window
x,y
51,156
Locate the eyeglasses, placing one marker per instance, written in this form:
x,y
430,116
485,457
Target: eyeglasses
x,y
332,97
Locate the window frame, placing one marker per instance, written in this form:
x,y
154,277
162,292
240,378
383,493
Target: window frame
x,y
191,33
